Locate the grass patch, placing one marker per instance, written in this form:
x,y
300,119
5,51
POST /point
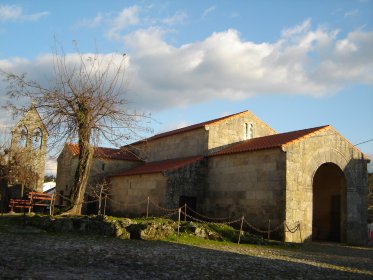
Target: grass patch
x,y
191,233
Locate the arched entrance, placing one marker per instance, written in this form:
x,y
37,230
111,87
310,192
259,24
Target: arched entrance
x,y
329,204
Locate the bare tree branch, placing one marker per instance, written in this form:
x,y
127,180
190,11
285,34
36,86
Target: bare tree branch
x,y
85,103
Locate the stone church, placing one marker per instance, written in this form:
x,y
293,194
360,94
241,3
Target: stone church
x,y
237,165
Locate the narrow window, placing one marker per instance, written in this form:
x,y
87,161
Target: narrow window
x,y
37,138
248,134
103,167
22,138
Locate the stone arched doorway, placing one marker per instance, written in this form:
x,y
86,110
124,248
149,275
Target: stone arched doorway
x,y
329,204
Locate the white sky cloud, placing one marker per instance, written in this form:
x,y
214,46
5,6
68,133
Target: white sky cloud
x,y
208,10
299,28
224,66
91,23
128,16
51,166
177,18
15,13
352,13
303,61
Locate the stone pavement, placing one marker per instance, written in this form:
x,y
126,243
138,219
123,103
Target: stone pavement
x,y
34,255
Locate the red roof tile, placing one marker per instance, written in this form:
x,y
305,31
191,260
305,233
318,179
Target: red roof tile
x,y
267,142
159,166
105,153
189,128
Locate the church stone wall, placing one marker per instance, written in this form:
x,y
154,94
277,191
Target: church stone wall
x,y
100,167
106,167
232,130
250,184
129,195
66,166
187,181
304,157
186,144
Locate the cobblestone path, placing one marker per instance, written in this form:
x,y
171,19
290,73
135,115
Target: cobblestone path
x,y
46,256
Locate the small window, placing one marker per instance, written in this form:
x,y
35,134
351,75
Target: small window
x,y
103,167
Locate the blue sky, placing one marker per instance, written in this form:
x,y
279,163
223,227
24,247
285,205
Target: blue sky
x,y
295,64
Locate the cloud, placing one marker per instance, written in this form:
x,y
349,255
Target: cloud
x,y
128,16
15,13
298,29
91,23
207,11
352,13
303,61
177,18
51,166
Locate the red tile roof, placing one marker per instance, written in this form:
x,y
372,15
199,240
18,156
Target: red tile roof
x,y
268,142
189,128
159,166
105,153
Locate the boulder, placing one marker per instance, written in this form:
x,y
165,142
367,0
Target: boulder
x,y
154,230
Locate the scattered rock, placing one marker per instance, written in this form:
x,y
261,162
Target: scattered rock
x,y
153,230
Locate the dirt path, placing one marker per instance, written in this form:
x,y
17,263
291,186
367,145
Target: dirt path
x,y
45,256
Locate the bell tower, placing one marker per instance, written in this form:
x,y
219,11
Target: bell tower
x,y
27,152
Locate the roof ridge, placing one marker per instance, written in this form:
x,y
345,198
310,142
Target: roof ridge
x,y
189,127
105,152
269,141
318,129
158,166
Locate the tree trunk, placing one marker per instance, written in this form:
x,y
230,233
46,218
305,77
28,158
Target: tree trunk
x,y
81,178
99,201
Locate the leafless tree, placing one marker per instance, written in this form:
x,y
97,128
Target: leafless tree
x,y
99,190
84,102
21,170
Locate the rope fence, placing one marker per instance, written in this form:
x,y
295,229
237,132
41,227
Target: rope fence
x,y
186,212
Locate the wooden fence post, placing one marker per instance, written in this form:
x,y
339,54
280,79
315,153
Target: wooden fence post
x,y
51,206
147,208
105,204
178,225
239,236
300,233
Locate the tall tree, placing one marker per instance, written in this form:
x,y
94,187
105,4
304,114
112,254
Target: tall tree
x,y
84,102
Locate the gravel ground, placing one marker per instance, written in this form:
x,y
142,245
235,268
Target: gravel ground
x,y
33,255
